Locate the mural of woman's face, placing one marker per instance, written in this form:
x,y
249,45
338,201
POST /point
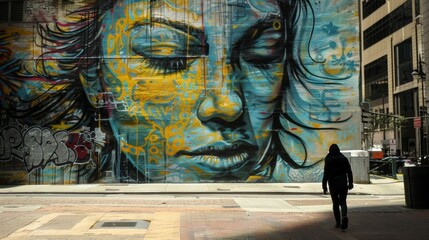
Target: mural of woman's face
x,y
193,84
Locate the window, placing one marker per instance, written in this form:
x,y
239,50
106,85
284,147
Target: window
x,y
375,74
11,11
404,62
417,10
407,102
370,6
389,24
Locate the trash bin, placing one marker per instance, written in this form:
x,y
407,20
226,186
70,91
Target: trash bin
x,y
359,163
416,186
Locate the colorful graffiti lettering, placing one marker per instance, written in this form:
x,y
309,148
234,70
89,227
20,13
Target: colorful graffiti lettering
x,y
180,91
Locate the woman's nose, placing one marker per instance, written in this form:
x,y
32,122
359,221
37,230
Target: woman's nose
x,y
226,106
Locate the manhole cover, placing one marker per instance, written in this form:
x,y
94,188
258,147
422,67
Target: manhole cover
x,y
140,224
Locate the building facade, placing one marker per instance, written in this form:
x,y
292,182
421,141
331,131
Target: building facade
x,y
393,83
141,91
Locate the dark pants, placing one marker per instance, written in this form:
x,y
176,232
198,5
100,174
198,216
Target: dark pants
x,y
339,197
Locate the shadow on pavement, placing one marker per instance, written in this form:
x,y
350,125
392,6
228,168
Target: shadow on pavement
x,y
8,186
390,223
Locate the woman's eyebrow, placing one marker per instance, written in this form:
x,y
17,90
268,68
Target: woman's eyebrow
x,y
183,27
256,29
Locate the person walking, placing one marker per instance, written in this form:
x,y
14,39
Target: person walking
x,y
338,175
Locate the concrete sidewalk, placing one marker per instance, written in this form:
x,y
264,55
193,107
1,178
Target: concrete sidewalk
x,y
378,186
376,211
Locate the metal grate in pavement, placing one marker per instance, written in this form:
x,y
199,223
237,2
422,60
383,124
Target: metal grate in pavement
x,y
119,224
139,224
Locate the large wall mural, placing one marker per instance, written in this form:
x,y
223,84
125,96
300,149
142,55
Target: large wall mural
x,y
143,91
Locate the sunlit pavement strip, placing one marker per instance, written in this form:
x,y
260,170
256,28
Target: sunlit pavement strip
x,y
265,205
282,205
162,226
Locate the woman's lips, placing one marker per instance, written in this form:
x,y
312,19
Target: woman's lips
x,y
222,156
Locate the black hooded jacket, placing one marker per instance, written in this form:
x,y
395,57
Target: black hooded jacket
x,y
338,173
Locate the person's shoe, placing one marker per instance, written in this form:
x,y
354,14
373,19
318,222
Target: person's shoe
x,y
337,225
344,223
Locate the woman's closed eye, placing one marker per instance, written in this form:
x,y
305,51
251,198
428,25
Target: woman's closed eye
x,y
165,49
263,44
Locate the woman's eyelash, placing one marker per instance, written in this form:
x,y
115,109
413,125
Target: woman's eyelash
x,y
261,65
166,65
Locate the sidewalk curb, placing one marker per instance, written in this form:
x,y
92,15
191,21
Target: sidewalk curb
x,y
187,193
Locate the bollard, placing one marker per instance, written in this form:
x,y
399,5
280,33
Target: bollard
x,y
393,163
